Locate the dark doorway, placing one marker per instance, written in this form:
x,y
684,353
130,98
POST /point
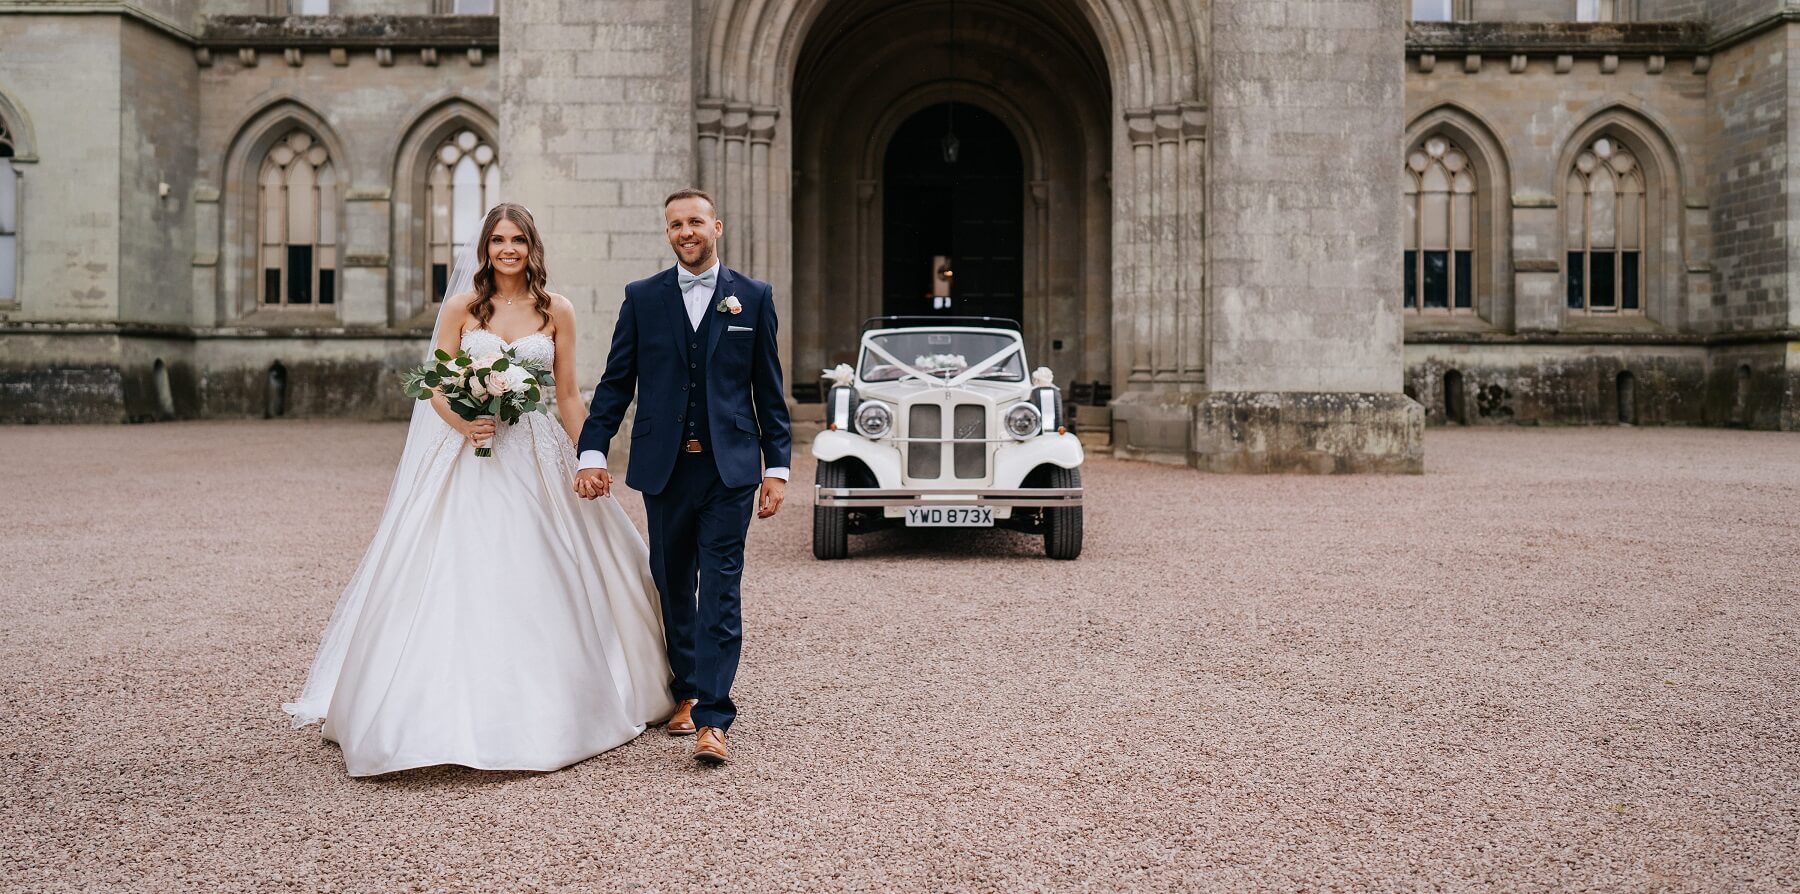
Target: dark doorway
x,y
970,211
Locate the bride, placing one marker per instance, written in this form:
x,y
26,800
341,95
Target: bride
x,y
497,620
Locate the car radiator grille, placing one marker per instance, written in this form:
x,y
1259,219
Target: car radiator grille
x,y
926,460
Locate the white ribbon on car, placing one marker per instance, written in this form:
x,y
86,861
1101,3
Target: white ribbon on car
x,y
974,370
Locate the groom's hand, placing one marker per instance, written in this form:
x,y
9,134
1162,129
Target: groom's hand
x,y
773,491
593,483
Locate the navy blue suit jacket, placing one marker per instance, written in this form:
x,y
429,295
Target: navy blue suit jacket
x,y
745,406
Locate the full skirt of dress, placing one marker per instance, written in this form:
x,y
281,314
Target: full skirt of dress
x,y
497,621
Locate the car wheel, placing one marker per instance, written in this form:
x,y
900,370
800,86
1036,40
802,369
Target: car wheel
x,y
831,537
1062,527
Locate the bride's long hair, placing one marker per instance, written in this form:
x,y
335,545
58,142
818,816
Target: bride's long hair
x,y
535,275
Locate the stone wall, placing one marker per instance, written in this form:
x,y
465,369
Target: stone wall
x,y
160,102
1748,172
69,228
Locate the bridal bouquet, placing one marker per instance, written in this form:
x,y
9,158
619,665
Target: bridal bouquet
x,y
499,385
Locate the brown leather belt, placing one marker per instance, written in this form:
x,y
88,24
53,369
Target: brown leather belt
x,y
692,446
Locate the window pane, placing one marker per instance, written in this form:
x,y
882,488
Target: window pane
x,y
1601,296
9,198
1603,225
440,280
1631,216
9,266
466,202
1574,211
1437,220
1437,279
1411,278
272,285
1465,279
1431,10
475,7
1594,10
1462,221
1628,286
300,268
309,7
327,286
302,204
1575,275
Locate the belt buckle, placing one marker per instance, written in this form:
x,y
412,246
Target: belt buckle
x,y
692,446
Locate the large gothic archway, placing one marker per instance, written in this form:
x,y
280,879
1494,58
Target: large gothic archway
x,y
801,98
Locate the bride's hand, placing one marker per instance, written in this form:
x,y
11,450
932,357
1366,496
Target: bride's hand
x,y
478,430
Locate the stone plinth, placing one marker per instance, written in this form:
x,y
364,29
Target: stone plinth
x,y
1329,433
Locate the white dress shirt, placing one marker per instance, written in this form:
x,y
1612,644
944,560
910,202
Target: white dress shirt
x,y
696,300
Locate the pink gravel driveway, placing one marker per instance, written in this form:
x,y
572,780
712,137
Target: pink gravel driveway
x,y
1563,659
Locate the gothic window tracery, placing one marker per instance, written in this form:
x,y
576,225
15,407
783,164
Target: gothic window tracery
x,y
463,183
297,200
1605,212
1440,187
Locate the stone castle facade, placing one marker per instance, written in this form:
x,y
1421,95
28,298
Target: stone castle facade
x,y
1246,234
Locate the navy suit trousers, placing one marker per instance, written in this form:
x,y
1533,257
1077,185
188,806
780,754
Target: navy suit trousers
x,y
697,531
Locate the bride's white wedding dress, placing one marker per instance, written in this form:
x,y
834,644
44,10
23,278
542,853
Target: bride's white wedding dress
x,y
498,621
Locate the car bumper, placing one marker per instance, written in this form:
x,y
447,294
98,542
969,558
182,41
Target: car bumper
x,y
885,498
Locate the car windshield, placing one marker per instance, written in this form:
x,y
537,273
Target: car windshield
x,y
941,354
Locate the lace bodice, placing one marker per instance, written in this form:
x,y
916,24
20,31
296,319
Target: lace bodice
x,y
537,348
539,432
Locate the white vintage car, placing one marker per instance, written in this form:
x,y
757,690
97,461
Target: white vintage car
x,y
939,425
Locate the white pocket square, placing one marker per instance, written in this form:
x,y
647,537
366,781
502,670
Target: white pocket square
x,y
739,329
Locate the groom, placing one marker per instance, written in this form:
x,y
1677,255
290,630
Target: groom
x,y
697,344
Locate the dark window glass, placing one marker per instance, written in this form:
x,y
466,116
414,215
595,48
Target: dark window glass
x,y
1575,280
271,286
440,280
327,286
299,274
1465,279
1602,296
1437,279
1628,286
1411,278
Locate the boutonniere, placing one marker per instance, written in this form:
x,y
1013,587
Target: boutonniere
x,y
731,305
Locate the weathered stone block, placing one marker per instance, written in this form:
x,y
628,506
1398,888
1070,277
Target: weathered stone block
x,y
1318,432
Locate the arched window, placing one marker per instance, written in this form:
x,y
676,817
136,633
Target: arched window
x,y
297,199
9,218
1606,213
463,184
1440,259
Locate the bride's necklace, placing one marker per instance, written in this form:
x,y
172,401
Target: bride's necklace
x,y
509,299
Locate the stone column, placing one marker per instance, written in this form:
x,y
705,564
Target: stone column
x,y
597,126
1304,365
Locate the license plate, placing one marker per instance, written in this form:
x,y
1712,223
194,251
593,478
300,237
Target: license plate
x,y
949,516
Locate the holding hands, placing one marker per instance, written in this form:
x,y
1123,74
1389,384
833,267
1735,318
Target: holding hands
x,y
593,483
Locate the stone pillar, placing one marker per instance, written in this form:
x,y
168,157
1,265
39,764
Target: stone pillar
x,y
597,124
1159,331
1304,367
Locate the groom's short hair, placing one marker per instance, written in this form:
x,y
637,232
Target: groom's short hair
x,y
692,193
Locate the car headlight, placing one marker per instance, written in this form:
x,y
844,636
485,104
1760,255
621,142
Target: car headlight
x,y
874,420
1022,421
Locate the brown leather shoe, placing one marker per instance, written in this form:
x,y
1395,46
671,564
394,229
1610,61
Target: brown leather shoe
x,y
710,747
681,723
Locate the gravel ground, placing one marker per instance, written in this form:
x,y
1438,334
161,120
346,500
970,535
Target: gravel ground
x,y
1563,659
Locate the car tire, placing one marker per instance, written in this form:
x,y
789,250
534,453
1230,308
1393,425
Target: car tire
x,y
1062,527
831,535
